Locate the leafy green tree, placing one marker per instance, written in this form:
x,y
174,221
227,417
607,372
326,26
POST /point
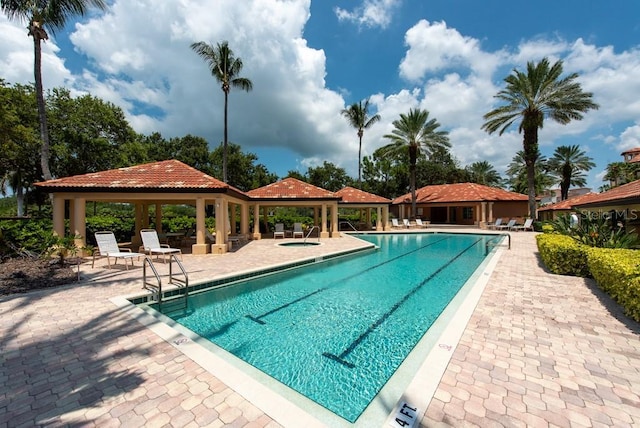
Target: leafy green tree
x,y
41,16
517,174
88,135
569,163
244,173
225,67
530,98
328,176
358,116
440,168
296,174
414,132
484,173
386,175
192,150
19,168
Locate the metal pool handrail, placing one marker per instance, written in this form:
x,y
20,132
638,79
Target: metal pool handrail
x,y
309,233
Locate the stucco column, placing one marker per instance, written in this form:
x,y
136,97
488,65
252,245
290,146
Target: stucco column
x,y
334,221
58,215
72,220
483,213
385,217
244,218
379,226
232,218
200,247
323,216
256,221
491,212
145,217
136,240
220,247
79,229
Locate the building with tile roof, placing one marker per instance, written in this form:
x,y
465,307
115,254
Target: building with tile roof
x,y
462,204
365,202
622,203
553,211
291,192
167,182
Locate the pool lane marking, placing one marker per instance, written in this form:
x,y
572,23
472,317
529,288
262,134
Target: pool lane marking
x,y
259,320
341,358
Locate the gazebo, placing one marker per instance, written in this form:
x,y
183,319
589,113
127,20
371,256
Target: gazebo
x,y
169,182
291,192
359,199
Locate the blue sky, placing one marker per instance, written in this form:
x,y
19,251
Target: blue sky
x,y
310,59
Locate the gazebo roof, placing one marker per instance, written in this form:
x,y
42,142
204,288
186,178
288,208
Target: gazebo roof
x,y
291,188
351,195
163,176
460,192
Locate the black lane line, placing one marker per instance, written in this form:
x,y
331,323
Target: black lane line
x,y
341,358
258,319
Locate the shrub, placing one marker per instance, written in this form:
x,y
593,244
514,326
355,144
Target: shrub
x,y
563,255
547,228
596,231
617,272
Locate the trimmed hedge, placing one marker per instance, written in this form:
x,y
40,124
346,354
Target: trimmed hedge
x,y
563,255
617,272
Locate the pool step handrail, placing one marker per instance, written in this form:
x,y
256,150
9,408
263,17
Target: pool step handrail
x,y
350,225
180,282
155,287
309,233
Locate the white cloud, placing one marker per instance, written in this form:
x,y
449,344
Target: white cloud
x,y
371,13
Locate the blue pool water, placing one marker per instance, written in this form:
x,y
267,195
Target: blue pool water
x,y
337,331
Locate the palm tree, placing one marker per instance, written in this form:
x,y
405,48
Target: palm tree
x,y
517,174
569,163
621,172
357,115
484,173
415,132
225,68
42,16
533,96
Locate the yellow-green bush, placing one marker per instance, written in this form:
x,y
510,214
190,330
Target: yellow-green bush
x,y
562,255
617,272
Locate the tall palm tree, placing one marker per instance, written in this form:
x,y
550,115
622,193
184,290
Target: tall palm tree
x,y
358,116
415,132
41,16
569,163
225,67
621,172
531,97
484,173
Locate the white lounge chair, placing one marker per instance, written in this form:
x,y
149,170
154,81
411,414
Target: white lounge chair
x,y
419,223
394,223
108,247
297,230
495,225
151,245
279,232
406,223
507,226
528,225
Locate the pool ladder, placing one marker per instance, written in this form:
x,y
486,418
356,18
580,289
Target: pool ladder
x,y
491,244
182,283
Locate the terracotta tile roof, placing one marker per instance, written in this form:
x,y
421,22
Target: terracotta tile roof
x,y
568,204
291,188
165,175
460,192
625,193
351,195
631,151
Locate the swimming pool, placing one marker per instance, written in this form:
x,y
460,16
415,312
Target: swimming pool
x,y
337,331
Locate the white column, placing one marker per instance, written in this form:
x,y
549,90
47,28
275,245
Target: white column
x,y
58,215
79,229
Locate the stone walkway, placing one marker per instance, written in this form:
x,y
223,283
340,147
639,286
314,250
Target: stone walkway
x,y
540,350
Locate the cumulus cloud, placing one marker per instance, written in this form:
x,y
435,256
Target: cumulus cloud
x,y
371,13
137,56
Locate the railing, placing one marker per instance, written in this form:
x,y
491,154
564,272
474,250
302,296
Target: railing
x,y
350,225
309,233
157,286
492,245
149,285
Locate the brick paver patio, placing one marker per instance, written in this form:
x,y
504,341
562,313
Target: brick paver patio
x,y
540,350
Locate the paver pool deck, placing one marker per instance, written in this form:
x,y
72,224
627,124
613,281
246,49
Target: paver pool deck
x,y
540,350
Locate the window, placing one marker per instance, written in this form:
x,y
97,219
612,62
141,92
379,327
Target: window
x,y
467,213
